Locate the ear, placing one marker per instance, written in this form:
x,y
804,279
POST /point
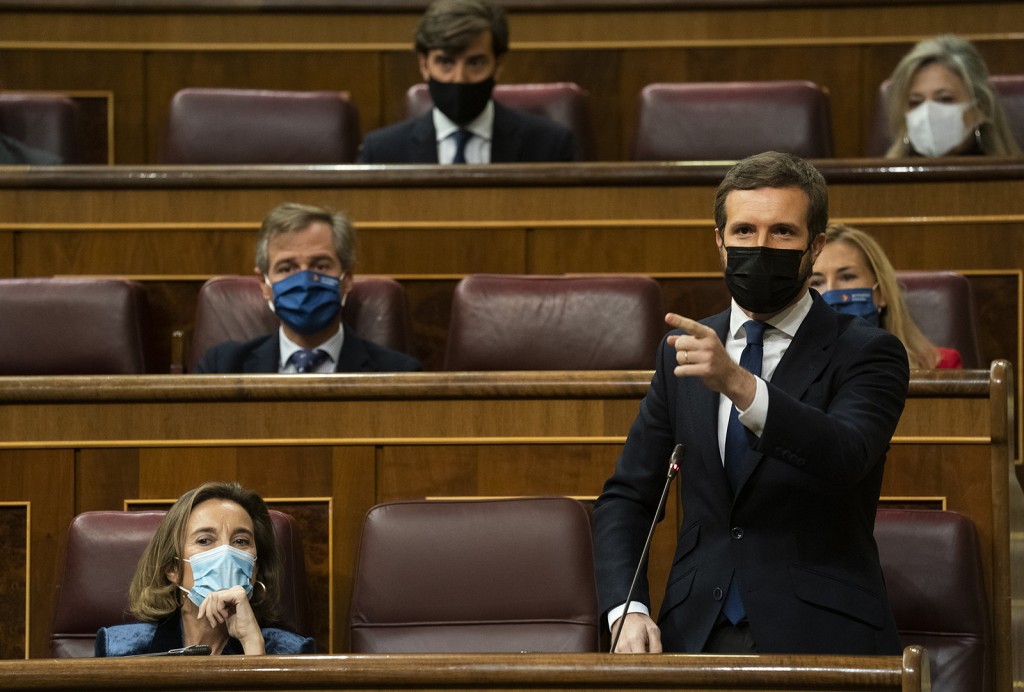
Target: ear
x,y
499,63
816,247
268,292
172,572
346,283
719,242
424,66
878,298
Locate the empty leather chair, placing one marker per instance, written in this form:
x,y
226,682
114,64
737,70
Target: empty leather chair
x,y
248,126
71,327
50,122
232,308
475,576
564,102
102,551
539,322
1010,89
728,121
942,305
936,587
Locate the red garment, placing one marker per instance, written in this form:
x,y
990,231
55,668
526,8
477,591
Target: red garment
x,y
949,358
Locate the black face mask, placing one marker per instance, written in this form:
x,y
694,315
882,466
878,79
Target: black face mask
x,y
764,279
461,102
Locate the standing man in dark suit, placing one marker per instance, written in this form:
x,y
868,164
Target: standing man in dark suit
x,y
461,46
304,256
781,470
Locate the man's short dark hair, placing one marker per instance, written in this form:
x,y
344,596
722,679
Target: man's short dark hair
x,y
772,169
451,25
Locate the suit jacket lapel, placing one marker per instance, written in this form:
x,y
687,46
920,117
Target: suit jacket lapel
x,y
801,364
423,142
264,358
503,135
353,357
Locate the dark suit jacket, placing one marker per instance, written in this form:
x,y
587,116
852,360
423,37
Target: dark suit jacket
x,y
263,354
518,137
799,532
151,638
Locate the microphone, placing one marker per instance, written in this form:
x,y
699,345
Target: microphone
x,y
673,469
194,650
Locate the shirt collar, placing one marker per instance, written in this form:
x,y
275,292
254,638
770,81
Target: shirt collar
x,y
787,321
482,126
332,346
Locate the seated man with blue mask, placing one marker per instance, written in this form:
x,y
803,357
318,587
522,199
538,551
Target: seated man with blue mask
x,y
304,257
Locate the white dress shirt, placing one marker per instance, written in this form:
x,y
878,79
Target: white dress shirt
x,y
332,347
478,148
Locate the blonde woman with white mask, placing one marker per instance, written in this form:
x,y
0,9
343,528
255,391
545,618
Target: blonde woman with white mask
x,y
941,103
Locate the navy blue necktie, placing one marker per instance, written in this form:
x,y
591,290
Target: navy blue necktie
x,y
736,448
307,360
461,137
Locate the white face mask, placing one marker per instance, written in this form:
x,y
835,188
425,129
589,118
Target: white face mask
x,y
936,128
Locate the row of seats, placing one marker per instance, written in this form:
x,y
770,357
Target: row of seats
x,y
517,575
497,322
682,121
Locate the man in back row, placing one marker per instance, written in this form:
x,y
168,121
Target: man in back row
x,y
461,45
304,257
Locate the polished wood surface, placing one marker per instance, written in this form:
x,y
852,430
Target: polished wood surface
x,y
527,671
342,443
144,52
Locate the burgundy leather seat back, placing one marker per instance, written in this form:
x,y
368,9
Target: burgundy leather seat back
x,y
232,308
566,103
942,305
728,121
1009,88
50,122
102,551
475,576
71,327
539,322
248,126
933,574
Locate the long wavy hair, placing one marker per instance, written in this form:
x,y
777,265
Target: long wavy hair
x,y
152,596
895,316
961,58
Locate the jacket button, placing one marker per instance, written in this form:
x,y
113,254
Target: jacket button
x,y
737,532
717,594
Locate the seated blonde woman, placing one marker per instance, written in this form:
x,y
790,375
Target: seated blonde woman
x,y
941,103
854,276
209,576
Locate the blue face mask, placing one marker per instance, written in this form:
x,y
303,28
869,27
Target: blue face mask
x,y
219,569
854,301
307,301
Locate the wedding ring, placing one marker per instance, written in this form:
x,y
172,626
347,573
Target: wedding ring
x,y
686,356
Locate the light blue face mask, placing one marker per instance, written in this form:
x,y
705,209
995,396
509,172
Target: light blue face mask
x,y
854,301
219,569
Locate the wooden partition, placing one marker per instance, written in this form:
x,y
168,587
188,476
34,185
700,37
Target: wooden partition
x,y
524,671
327,448
144,52
174,227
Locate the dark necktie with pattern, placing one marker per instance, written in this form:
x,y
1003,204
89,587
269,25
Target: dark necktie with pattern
x,y
307,359
461,137
736,448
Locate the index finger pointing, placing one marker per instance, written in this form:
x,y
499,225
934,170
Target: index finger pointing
x,y
692,327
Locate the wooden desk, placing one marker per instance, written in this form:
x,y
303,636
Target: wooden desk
x,y
326,448
476,672
144,52
174,227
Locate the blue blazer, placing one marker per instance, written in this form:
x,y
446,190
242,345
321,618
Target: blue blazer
x,y
263,354
152,638
518,137
799,531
